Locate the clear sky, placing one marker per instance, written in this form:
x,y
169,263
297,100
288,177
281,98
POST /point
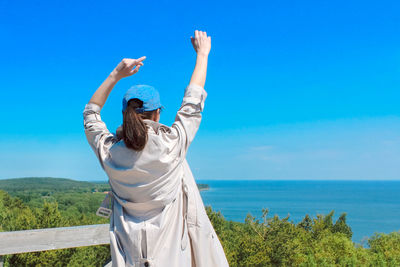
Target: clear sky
x,y
296,89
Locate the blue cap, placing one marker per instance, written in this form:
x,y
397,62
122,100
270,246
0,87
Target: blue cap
x,y
146,93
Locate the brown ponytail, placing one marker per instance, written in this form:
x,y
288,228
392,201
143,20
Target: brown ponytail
x,y
134,130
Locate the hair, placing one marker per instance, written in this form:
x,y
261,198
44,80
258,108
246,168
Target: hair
x,y
134,130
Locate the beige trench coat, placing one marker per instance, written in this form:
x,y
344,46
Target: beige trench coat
x,y
158,216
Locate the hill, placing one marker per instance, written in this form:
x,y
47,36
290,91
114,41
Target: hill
x,y
78,197
46,186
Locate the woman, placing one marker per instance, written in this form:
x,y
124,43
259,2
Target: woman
x,y
158,217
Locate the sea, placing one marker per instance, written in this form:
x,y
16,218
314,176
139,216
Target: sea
x,y
371,206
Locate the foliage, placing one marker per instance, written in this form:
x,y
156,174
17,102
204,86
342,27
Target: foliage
x,y
266,241
15,215
46,185
271,241
386,248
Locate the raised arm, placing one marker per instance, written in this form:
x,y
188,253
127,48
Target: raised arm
x,y
189,116
96,130
202,45
125,68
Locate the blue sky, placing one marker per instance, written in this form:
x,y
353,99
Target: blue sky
x,y
296,89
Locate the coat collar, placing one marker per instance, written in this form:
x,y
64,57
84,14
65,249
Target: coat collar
x,y
153,127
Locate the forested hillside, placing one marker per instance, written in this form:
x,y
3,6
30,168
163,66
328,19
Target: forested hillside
x,y
267,241
48,184
76,197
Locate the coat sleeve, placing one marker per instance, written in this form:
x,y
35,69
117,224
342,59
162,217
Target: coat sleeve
x,y
188,117
97,134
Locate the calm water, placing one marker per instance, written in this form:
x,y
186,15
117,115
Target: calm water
x,y
371,206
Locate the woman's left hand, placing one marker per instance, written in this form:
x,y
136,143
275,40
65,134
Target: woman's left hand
x,y
128,67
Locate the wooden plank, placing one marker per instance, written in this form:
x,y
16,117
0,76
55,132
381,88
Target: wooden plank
x,y
53,238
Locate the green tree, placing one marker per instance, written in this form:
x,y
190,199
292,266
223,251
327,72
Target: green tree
x,y
341,226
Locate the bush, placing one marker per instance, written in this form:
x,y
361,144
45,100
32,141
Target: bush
x,y
268,241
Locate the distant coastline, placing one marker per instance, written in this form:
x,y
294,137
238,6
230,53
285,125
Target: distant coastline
x,y
48,185
203,187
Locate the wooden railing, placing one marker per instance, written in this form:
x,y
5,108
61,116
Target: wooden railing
x,y
53,238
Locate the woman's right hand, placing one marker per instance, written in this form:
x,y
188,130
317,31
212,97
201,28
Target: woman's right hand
x,y
128,67
201,43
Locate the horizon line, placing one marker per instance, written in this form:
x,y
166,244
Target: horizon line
x,y
219,179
